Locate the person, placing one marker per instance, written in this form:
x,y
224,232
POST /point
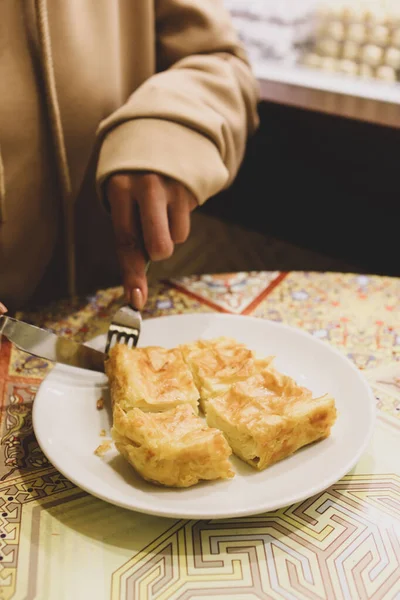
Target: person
x,y
146,105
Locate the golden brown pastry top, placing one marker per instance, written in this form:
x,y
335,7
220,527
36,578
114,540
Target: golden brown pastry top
x,y
254,406
263,428
263,414
280,384
168,432
151,378
217,364
174,448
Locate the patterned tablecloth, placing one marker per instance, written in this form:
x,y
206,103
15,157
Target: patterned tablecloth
x,y
58,543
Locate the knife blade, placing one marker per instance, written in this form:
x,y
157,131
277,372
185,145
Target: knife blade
x,y
44,344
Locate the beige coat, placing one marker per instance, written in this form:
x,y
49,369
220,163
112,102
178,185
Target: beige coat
x,y
91,87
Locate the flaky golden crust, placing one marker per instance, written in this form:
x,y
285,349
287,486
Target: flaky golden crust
x,y
152,379
174,448
219,363
278,383
264,416
263,427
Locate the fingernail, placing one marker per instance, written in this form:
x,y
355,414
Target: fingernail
x,y
137,299
3,309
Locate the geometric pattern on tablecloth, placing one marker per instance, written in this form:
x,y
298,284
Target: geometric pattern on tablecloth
x,y
389,409
387,380
31,487
27,366
19,449
165,299
343,543
235,293
80,318
358,314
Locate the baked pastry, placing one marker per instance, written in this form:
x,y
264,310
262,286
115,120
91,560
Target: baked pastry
x,y
312,60
372,55
357,33
366,72
348,67
396,38
251,408
219,363
152,379
351,51
268,417
329,64
336,31
173,448
386,73
277,384
328,47
392,58
379,35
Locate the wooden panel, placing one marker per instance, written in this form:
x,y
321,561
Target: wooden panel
x,y
351,107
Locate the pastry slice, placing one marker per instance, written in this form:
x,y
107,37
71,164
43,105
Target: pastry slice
x,y
219,363
263,426
152,379
174,448
277,383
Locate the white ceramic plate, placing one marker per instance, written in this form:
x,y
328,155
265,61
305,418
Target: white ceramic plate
x,y
67,425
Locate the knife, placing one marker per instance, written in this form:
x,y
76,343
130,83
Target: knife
x,y
44,344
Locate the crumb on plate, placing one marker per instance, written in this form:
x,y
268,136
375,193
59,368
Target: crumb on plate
x,y
100,403
103,433
103,448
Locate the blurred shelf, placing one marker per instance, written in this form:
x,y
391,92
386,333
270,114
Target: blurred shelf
x,y
335,94
285,40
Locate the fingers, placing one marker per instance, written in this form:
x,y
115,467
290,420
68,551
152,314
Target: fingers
x,y
179,220
3,309
152,197
129,246
150,214
182,203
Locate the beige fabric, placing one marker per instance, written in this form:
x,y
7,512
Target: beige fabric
x,y
108,86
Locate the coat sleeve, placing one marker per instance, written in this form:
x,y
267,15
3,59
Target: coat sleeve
x,y
189,121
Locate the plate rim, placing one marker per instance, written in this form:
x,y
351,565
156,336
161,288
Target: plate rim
x,y
168,513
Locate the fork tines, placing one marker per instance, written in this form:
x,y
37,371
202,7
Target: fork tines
x,y
121,335
124,328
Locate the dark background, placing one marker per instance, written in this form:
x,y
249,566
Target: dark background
x,y
324,183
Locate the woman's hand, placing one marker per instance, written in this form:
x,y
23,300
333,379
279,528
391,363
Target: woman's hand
x,y
150,214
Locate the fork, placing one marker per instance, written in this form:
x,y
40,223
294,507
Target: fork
x,y
125,326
